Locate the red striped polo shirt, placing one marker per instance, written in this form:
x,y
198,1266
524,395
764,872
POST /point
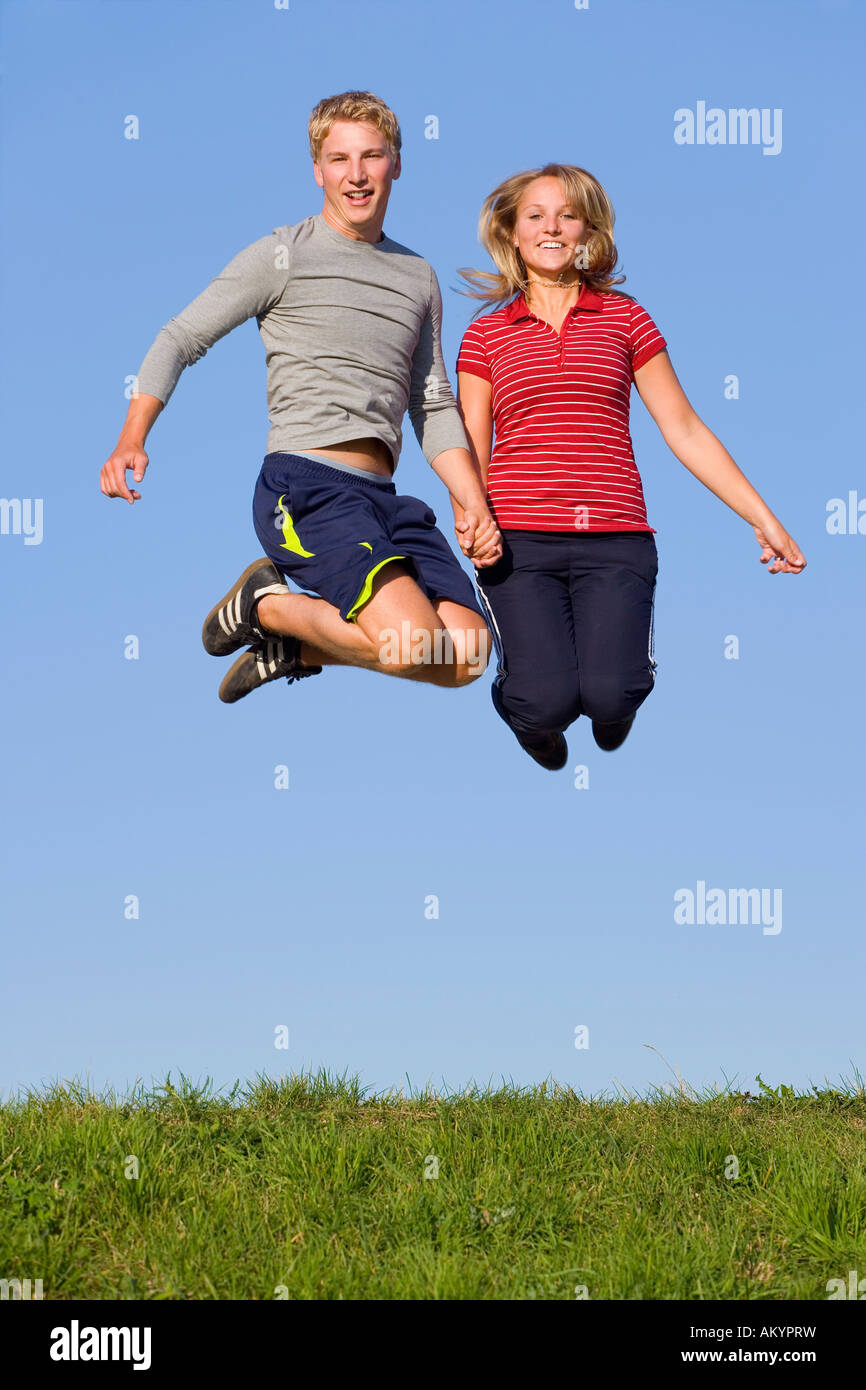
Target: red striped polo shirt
x,y
562,456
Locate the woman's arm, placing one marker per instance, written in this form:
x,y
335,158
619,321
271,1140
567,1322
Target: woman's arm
x,y
698,449
475,396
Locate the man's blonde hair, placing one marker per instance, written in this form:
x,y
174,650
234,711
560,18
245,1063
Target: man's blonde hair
x,y
353,106
498,219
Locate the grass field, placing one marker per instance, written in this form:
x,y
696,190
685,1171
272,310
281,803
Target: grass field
x,y
311,1188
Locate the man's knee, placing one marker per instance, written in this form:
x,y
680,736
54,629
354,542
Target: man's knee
x,y
456,656
467,652
468,672
473,658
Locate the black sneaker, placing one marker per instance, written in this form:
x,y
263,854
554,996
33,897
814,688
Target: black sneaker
x,y
611,736
550,750
266,661
231,622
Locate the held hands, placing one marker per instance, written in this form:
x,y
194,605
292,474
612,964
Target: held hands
x,y
112,479
777,545
478,537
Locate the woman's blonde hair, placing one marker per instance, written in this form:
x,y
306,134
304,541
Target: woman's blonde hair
x,y
498,219
353,106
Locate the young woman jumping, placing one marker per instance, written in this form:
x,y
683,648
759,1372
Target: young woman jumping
x,y
548,377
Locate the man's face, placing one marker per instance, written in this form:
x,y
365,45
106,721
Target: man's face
x,y
356,169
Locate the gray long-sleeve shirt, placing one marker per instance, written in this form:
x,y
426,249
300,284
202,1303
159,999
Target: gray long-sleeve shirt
x,y
352,335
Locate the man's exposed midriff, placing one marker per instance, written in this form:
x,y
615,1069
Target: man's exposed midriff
x,y
369,453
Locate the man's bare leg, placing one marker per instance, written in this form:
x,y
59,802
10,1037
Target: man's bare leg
x,y
398,632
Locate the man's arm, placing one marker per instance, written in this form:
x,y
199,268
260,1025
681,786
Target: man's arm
x,y
129,452
440,433
248,286
476,529
475,396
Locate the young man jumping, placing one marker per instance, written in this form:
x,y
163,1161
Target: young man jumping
x,y
351,323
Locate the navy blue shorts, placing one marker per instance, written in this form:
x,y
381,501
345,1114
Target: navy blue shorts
x,y
331,531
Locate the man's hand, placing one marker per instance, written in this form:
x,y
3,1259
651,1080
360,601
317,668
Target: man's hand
x,y
129,451
112,479
478,537
777,545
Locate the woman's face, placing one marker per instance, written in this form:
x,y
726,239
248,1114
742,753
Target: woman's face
x,y
547,230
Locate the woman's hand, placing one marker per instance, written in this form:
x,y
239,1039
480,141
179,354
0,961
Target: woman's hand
x,y
478,537
777,545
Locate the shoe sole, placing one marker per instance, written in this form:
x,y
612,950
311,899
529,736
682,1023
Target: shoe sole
x,y
251,658
226,681
212,618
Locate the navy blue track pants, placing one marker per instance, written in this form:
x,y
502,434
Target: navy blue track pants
x,y
572,618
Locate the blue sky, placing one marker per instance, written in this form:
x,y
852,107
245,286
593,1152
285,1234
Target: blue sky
x,y
305,907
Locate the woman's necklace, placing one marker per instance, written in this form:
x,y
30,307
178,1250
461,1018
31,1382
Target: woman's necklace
x,y
557,284
551,285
